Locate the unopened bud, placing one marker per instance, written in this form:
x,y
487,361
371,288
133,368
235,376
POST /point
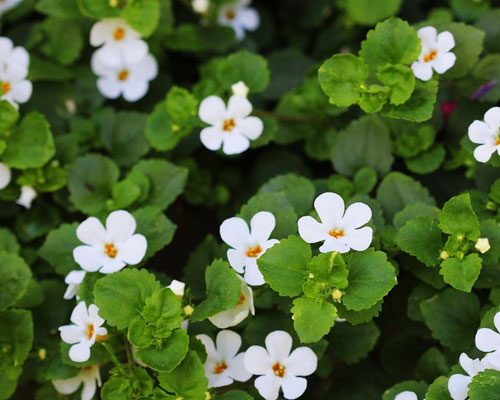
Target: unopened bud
x,y
311,276
336,294
460,237
240,89
200,6
482,245
42,353
188,310
207,396
444,255
113,3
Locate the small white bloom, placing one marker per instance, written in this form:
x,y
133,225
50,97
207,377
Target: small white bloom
x,y
240,17
488,340
248,246
279,368
232,128
239,312
200,6
73,280
88,376
487,134
109,249
129,80
177,287
5,176
340,231
120,42
18,57
224,365
240,89
482,245
6,5
406,395
85,331
28,194
435,53
14,62
458,385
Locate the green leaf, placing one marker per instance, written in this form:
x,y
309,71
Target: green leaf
x,y
167,181
58,247
188,380
428,161
163,308
284,266
397,190
90,182
8,242
391,42
401,81
371,277
485,385
182,106
340,78
312,318
125,193
452,317
491,229
121,296
421,237
412,211
234,395
438,390
365,180
142,15
461,274
167,354
299,191
223,291
156,227
419,107
327,271
193,37
458,218
373,98
368,12
365,143
15,275
411,386
244,66
97,9
351,343
162,131
64,40
59,8
8,115
432,364
359,317
30,144
136,383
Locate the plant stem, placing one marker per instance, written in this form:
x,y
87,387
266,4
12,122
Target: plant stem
x,y
112,354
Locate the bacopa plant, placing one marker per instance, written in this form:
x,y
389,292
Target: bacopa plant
x,y
237,199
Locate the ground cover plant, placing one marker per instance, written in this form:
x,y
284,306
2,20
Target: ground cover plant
x,y
236,200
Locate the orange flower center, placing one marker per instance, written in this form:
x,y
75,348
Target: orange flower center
x,y
90,331
279,370
497,139
220,367
336,233
118,34
242,300
254,251
230,14
110,250
6,87
228,125
123,75
430,56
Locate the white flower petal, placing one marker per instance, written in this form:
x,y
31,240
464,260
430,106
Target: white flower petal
x,y
492,118
67,386
108,88
458,386
251,127
15,71
79,352
279,344
212,137
356,215
428,35
228,318
234,231
481,133
5,176
75,277
212,110
79,315
359,239
483,153
237,370
6,47
89,258
209,345
407,395
100,32
93,313
311,230
71,334
445,42
487,340
89,389
134,51
249,18
237,259
19,55
134,90
496,321
330,208
70,292
108,56
262,225
228,343
334,244
235,143
146,69
444,62
238,107
293,387
177,287
120,226
253,276
28,194
91,232
422,70
218,380
257,361
469,365
111,265
268,386
302,362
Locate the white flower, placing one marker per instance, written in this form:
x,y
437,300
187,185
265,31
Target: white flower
x,y
280,368
129,80
16,56
120,42
232,128
73,280
224,365
200,6
28,194
240,89
340,231
6,5
239,312
240,17
458,385
406,395
488,340
487,134
85,331
109,249
177,287
88,376
5,176
435,53
248,246
483,245
14,62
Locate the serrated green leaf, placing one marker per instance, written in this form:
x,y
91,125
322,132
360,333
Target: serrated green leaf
x,y
461,274
368,12
58,248
458,217
16,275
485,385
312,318
351,343
400,79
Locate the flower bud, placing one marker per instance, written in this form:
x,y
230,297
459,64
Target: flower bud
x,y
337,295
444,255
201,6
482,245
240,89
188,310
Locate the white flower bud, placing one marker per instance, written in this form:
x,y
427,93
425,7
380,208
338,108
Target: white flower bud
x,y
240,89
201,6
483,245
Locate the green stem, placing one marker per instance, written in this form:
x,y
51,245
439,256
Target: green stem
x,y
112,354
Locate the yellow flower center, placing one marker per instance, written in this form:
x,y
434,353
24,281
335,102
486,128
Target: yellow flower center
x,y
430,56
242,300
110,250
123,75
497,141
230,14
228,125
279,370
6,87
90,331
119,34
254,251
220,367
336,233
